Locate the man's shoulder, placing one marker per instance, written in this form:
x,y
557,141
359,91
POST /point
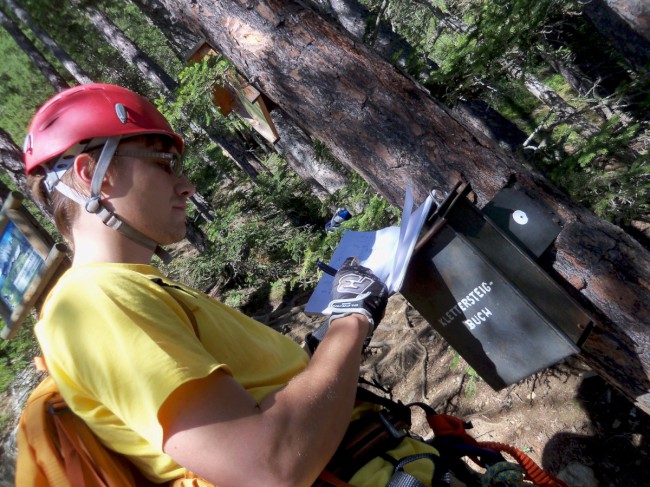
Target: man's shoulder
x,y
97,274
95,280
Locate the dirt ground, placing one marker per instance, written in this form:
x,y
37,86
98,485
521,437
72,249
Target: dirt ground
x,y
566,418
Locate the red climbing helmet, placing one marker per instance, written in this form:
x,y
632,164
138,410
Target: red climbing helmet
x,y
87,112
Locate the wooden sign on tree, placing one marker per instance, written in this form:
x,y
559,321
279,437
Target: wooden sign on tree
x,y
238,95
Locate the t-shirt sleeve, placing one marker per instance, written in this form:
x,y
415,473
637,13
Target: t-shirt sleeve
x,y
127,341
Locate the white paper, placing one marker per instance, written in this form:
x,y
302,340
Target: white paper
x,y
374,250
404,249
386,252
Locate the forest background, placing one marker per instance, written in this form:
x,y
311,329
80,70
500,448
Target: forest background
x,y
544,78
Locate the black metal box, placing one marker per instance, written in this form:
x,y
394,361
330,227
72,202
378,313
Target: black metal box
x,y
488,298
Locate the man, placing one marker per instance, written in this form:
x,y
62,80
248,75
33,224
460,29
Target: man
x,y
161,373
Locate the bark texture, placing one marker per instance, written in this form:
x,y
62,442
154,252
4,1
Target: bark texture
x,y
613,20
11,159
354,17
295,146
298,150
636,13
11,164
382,125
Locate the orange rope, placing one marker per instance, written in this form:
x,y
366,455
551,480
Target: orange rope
x,y
533,471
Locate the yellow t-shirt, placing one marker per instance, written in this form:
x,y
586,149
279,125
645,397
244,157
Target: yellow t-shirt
x,y
118,344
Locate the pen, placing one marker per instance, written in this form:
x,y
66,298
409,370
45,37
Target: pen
x,y
326,268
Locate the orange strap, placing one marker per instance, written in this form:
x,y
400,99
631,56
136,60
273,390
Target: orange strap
x,y
445,425
47,467
88,462
79,467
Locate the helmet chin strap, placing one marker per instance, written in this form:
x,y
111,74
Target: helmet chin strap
x,y
94,204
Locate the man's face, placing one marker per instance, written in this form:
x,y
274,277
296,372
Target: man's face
x,y
146,195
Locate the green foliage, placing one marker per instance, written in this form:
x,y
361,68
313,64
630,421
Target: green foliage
x,y
499,33
471,379
4,421
22,89
15,354
190,110
273,231
377,212
369,212
615,191
262,230
192,101
479,45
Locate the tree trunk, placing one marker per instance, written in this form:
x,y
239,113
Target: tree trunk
x,y
127,49
43,65
180,39
11,163
133,55
547,95
4,192
294,145
379,123
481,117
183,41
612,18
298,150
68,63
353,17
203,208
635,13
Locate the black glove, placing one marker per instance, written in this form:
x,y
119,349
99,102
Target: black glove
x,y
355,290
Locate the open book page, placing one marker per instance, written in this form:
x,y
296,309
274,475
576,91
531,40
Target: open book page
x,y
386,252
375,250
411,227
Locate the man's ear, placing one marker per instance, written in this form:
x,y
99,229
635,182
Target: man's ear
x,y
81,168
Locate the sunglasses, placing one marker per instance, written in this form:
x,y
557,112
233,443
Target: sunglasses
x,y
173,160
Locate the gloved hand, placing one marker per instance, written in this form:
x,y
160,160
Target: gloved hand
x,y
355,290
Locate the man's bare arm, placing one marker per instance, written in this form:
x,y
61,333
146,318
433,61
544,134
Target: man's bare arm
x,y
214,428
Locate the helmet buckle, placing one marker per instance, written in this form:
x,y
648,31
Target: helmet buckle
x,y
93,205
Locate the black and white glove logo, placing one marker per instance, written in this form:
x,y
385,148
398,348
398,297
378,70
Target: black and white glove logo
x,y
354,284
